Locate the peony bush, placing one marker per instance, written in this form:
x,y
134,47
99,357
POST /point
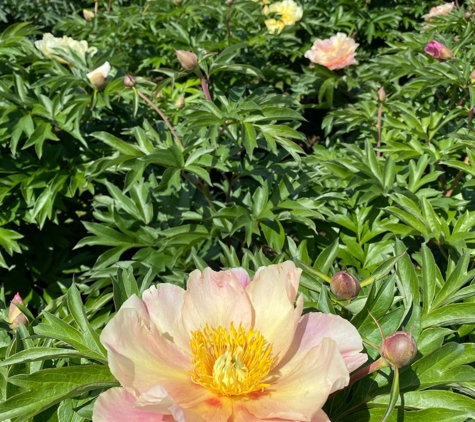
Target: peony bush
x,y
237,211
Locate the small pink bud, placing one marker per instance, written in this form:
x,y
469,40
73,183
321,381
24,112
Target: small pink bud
x,y
438,50
129,81
344,286
187,59
468,15
399,348
15,316
381,94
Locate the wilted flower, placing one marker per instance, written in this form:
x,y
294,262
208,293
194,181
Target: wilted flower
x,y
88,15
187,59
288,13
443,9
225,348
98,77
334,53
438,50
344,285
15,316
49,44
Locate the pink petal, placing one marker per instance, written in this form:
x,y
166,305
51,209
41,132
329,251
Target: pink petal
x,y
165,306
320,416
215,409
117,405
215,299
300,394
241,275
316,326
139,356
272,293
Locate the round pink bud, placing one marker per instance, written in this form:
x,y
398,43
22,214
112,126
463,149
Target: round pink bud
x,y
399,348
129,81
468,15
344,286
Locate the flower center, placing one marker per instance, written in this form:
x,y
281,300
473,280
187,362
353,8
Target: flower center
x,y
230,363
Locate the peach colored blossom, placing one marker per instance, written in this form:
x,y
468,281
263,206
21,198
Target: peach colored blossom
x,y
15,316
334,53
442,10
225,349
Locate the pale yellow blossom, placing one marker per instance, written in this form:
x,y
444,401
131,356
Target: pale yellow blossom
x,y
336,52
287,12
442,10
49,45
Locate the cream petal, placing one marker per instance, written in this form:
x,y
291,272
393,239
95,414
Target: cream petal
x,y
314,327
298,395
242,275
272,293
117,405
139,356
215,299
165,307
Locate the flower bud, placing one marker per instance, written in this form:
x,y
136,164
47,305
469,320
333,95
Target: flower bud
x,y
177,2
187,59
229,2
399,348
468,15
381,94
129,81
88,15
472,77
15,316
98,77
180,103
344,286
438,50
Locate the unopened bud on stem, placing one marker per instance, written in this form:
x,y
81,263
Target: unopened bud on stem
x,y
187,59
344,286
399,348
15,316
129,81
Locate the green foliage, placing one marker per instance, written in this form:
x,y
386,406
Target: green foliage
x,y
100,199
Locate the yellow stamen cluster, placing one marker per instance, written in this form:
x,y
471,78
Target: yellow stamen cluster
x,y
230,362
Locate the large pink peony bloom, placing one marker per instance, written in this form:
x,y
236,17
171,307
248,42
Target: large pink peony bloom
x,y
442,10
334,53
226,349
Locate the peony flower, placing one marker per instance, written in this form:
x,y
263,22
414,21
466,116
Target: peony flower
x,y
442,10
438,50
98,77
225,349
15,316
288,13
187,59
49,44
334,53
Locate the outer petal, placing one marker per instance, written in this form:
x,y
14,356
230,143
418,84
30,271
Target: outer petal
x,y
117,405
316,326
272,293
140,357
320,416
215,299
298,395
165,305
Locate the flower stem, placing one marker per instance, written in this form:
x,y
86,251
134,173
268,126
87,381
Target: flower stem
x,y
204,85
160,112
375,366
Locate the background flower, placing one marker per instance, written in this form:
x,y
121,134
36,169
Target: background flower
x,y
443,9
288,13
49,44
334,53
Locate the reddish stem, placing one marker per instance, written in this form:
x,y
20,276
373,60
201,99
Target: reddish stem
x,y
373,367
